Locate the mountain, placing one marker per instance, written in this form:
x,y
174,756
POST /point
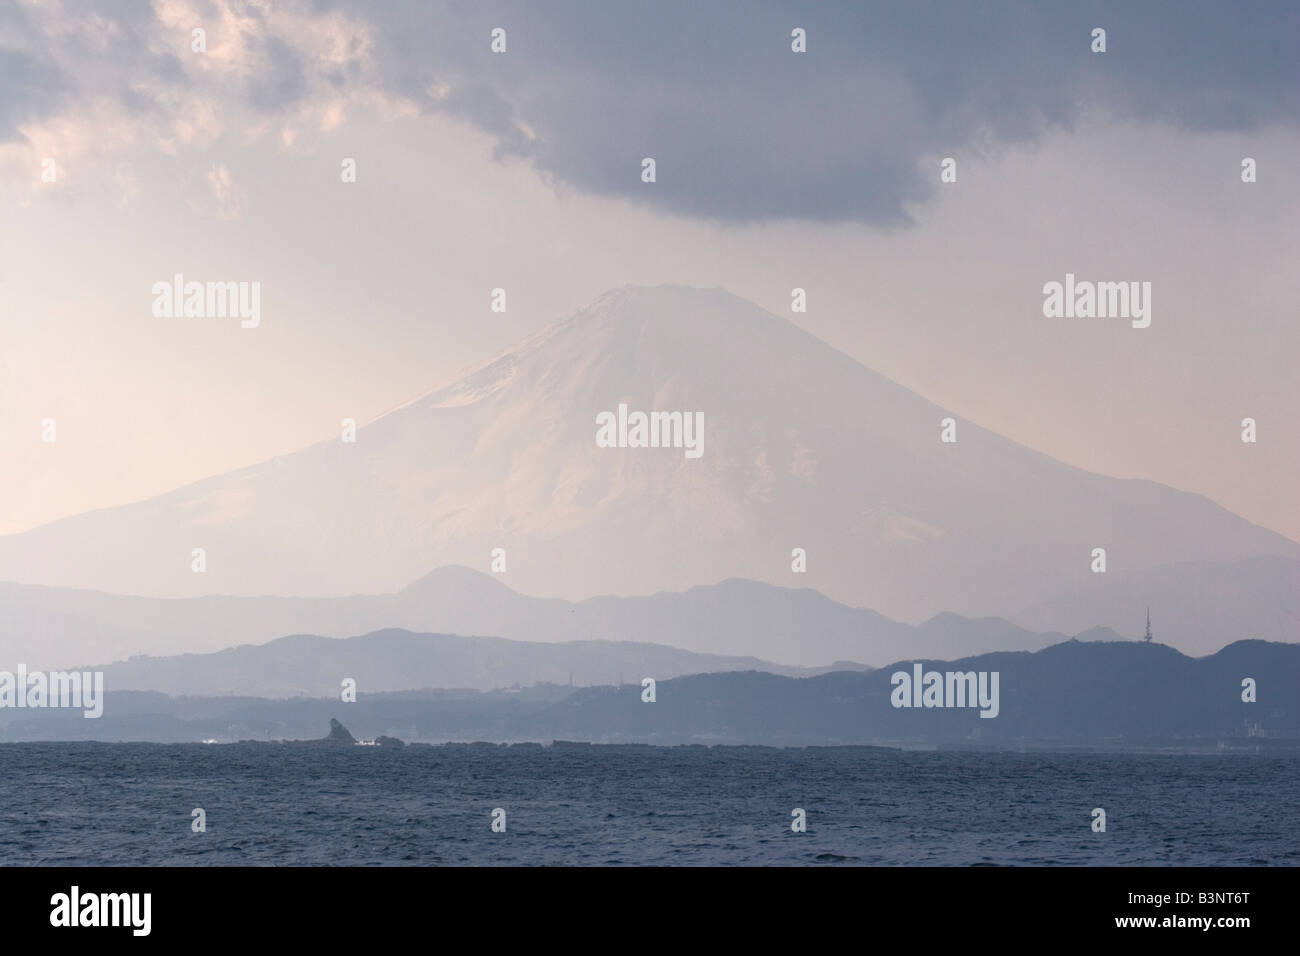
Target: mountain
x,y
1105,694
396,660
1070,692
60,627
802,447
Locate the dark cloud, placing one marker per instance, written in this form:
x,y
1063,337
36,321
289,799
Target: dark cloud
x,y
30,87
742,128
99,48
279,82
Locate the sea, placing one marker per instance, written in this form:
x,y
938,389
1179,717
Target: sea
x,y
279,805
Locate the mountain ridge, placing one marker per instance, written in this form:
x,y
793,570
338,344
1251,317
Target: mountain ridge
x,y
1108,695
394,659
56,627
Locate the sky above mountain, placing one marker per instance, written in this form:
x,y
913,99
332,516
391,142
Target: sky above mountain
x,y
521,171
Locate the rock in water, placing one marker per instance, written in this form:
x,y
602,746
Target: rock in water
x,y
339,734
383,741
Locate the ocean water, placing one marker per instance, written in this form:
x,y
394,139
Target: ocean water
x,y
130,804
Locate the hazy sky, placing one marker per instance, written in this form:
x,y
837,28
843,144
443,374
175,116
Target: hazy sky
x,y
522,170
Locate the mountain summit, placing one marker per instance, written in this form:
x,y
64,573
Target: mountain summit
x,y
803,447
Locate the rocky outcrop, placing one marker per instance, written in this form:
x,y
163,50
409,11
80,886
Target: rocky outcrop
x,y
339,735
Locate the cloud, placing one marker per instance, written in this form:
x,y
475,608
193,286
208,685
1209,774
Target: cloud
x,y
97,87
28,87
230,198
741,128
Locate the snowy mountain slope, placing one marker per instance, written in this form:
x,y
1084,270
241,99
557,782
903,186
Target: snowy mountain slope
x,y
802,447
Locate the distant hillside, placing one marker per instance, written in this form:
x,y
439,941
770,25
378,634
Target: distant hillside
x,y
395,660
60,627
1069,691
1103,694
